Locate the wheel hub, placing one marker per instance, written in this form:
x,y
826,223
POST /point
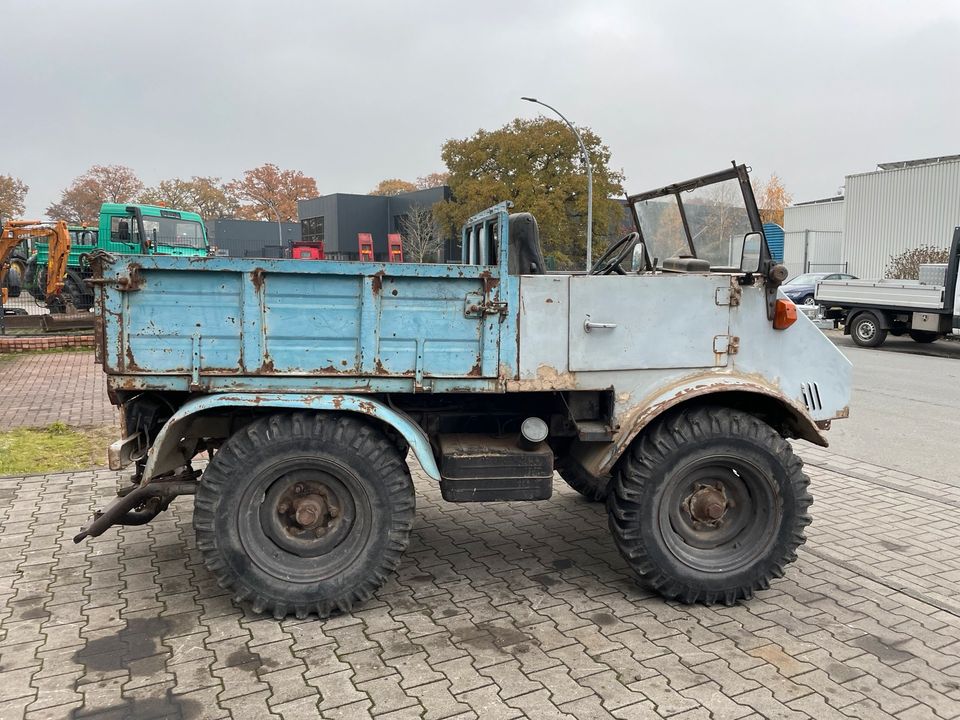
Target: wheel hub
x,y
706,505
306,514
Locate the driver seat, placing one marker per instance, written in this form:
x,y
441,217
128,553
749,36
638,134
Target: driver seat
x,y
525,255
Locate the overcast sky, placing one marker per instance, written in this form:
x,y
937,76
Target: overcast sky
x,y
353,92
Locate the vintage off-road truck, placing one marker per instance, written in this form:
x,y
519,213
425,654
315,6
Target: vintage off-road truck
x,y
666,380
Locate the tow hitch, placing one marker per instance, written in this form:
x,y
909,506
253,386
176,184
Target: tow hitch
x,y
139,504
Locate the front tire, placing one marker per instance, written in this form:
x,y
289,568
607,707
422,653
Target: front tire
x,y
866,330
709,505
304,513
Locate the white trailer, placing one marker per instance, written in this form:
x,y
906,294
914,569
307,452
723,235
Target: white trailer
x,y
925,309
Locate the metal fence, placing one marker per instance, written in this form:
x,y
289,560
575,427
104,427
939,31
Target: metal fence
x,y
804,250
29,311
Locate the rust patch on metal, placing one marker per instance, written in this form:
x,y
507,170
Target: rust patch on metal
x,y
267,366
132,281
489,282
337,401
548,378
131,363
377,281
257,277
367,407
476,370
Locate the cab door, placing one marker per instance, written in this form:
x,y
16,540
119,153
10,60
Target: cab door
x,y
640,322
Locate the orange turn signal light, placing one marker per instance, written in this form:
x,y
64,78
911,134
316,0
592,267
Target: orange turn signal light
x,y
784,315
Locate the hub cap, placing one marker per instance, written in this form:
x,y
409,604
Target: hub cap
x,y
866,330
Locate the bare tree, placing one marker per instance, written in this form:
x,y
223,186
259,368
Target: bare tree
x,y
422,240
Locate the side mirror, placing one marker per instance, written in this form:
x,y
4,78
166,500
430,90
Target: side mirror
x,y
750,255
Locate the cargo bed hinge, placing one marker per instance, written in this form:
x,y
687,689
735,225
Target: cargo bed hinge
x,y
726,344
729,295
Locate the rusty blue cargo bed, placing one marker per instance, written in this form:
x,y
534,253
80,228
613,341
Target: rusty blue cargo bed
x,y
256,324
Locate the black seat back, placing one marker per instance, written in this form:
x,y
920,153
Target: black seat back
x,y
526,257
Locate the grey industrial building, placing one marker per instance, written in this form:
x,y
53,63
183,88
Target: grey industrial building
x,y
338,218
897,207
251,238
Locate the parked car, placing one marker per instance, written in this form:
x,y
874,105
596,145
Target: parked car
x,y
801,288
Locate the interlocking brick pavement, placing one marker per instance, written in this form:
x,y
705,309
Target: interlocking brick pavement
x,y
498,611
41,388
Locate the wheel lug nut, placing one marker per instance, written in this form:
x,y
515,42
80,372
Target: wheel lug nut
x,y
298,489
334,512
283,507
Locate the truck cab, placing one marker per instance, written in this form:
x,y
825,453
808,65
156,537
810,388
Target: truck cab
x,y
151,230
123,229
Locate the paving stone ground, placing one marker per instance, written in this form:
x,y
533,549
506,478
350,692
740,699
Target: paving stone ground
x,y
498,611
41,388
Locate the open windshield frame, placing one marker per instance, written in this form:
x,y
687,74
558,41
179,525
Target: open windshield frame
x,y
740,173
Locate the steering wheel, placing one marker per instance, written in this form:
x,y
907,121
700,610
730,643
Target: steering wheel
x,y
610,261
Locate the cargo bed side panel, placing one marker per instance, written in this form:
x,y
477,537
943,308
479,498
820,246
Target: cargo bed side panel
x,y
215,317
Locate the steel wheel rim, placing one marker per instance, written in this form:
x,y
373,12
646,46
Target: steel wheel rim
x,y
809,301
264,534
866,330
746,529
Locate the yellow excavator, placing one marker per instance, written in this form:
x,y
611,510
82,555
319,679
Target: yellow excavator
x,y
58,237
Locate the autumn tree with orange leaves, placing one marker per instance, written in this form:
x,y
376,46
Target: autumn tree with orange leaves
x,y
80,202
434,179
393,186
268,191
13,193
772,197
204,195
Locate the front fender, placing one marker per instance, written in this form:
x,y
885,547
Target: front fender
x,y
169,452
751,395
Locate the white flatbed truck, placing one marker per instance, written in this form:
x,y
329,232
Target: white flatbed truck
x,y
869,310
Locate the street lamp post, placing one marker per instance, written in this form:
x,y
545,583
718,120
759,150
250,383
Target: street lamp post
x,y
275,212
586,159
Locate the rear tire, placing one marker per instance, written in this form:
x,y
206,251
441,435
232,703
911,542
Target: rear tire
x,y
923,336
304,513
13,281
867,331
709,505
591,487
808,300
75,290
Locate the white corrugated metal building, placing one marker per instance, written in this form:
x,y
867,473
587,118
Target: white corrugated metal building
x,y
813,236
899,206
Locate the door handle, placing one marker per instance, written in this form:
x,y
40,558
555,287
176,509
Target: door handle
x,y
588,326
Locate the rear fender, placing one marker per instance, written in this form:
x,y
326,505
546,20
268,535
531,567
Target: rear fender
x,y
740,393
171,450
